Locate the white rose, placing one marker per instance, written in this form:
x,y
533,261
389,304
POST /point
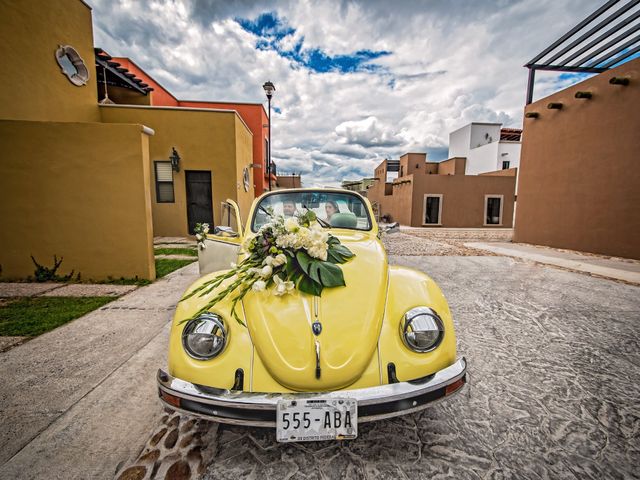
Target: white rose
x,y
205,228
280,259
291,224
318,251
268,261
266,271
198,237
259,286
282,287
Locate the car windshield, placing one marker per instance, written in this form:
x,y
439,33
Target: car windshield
x,y
333,209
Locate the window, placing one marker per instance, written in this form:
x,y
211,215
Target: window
x,y
72,65
164,182
505,164
493,209
432,209
333,209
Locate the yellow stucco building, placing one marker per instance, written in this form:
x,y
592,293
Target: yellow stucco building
x,y
94,183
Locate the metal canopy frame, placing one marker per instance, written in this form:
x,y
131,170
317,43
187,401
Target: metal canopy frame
x,y
583,49
116,75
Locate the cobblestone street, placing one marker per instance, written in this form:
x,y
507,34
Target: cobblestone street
x,y
553,389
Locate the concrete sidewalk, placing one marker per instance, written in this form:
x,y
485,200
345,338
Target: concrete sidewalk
x,y
34,289
80,399
616,268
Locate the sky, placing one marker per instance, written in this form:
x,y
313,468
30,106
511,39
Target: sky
x,y
356,81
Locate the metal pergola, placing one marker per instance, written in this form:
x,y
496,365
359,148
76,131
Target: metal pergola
x,y
586,48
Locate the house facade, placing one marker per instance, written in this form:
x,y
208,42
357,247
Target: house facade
x,y
579,185
93,182
253,115
440,194
487,147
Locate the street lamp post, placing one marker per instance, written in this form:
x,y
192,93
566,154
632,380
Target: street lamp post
x,y
269,88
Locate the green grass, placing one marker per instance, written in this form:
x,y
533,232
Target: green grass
x,y
28,317
165,266
192,252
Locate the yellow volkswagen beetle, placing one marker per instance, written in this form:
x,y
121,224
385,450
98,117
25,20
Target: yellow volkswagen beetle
x,y
312,366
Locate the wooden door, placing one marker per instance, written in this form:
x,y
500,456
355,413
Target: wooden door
x,y
199,198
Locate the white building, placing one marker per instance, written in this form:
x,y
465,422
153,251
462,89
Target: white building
x,y
486,146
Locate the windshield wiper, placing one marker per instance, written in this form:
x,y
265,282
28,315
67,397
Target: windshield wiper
x,y
260,207
320,221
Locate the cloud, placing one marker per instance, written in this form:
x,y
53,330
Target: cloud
x,y
356,81
274,33
368,132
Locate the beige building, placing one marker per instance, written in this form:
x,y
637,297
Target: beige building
x,y
439,194
579,184
94,183
288,181
360,186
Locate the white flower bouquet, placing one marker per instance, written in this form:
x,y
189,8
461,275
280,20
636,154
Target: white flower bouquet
x,y
201,230
285,254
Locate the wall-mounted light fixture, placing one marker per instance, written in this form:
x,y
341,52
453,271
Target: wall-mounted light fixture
x,y
175,159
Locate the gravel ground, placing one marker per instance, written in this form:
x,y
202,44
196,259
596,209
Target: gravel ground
x,y
554,382
408,244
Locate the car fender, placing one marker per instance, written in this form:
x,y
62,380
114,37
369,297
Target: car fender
x,y
410,288
220,371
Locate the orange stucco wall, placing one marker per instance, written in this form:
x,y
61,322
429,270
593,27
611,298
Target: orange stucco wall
x,y
255,117
579,185
159,95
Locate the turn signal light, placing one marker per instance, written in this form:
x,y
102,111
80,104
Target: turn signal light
x,y
170,399
451,388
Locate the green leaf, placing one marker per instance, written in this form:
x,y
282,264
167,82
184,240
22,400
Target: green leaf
x,y
339,254
307,285
330,274
324,273
304,260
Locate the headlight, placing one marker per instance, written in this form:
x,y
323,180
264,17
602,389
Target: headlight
x,y
421,329
204,337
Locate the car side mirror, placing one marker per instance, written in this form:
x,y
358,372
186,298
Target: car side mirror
x,y
391,228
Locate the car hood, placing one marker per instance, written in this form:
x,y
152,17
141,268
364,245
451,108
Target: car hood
x,y
351,318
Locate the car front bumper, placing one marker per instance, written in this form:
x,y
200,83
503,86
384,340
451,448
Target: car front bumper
x,y
259,409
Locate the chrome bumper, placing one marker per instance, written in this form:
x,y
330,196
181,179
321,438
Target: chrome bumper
x,y
259,409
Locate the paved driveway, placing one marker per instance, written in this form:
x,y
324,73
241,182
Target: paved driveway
x,y
554,389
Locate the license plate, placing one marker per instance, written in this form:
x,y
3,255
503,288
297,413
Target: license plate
x,y
317,419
